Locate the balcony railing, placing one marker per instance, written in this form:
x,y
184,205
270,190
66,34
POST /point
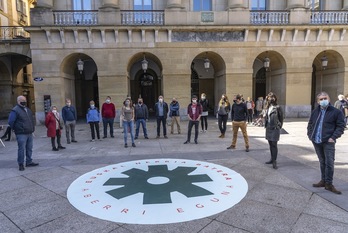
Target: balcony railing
x,y
75,17
269,17
13,33
329,17
142,17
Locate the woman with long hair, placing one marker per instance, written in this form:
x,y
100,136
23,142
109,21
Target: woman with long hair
x,y
222,114
273,124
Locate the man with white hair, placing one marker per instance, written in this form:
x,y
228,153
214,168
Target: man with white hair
x,y
21,120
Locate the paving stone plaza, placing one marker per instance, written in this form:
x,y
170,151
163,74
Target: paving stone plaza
x,y
282,200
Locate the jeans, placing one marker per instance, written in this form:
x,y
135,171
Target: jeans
x,y
70,127
25,142
94,125
175,120
326,155
242,125
128,126
274,149
110,122
190,125
164,124
222,120
143,124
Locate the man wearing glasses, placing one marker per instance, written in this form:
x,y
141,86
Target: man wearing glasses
x,y
325,125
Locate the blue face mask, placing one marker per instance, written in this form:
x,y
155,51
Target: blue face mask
x,y
324,103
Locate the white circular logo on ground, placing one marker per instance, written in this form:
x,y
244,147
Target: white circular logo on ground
x,y
157,191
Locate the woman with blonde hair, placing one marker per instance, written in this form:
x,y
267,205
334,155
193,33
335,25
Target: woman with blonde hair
x,y
222,114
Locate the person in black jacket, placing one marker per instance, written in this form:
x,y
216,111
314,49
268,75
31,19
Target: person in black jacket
x,y
141,115
161,109
325,125
239,116
205,105
273,124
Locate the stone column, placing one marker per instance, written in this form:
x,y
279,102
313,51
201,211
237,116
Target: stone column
x,y
113,4
345,5
292,4
174,4
44,4
235,4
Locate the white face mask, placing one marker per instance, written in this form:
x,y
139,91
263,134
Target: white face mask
x,y
54,111
203,97
68,104
108,101
161,100
92,105
194,101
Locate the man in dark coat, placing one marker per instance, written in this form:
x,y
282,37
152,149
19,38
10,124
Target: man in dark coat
x,y
325,125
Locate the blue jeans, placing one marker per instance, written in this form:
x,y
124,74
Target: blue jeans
x,y
326,155
110,122
143,124
128,125
25,142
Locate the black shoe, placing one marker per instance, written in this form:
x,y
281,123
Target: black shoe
x,y
21,167
269,162
186,142
68,142
165,136
61,147
196,142
231,147
105,137
32,164
133,145
7,140
125,145
146,137
135,138
55,149
246,149
275,164
73,141
112,136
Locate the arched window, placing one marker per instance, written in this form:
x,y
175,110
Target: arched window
x,y
82,5
258,5
202,5
145,5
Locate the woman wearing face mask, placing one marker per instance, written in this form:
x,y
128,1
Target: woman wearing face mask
x,y
205,105
93,119
128,121
273,124
222,114
54,127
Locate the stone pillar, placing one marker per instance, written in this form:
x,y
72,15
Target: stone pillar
x,y
174,4
113,4
345,5
236,4
292,4
44,4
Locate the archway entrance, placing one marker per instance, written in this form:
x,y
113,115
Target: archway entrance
x,y
260,84
81,86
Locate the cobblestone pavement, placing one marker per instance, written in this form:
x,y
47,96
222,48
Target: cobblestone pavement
x,y
283,200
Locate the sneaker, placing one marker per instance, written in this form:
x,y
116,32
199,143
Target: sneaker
x,y
32,164
320,184
332,188
93,140
231,147
21,167
133,145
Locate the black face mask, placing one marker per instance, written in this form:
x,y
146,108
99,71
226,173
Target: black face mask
x,y
23,103
140,102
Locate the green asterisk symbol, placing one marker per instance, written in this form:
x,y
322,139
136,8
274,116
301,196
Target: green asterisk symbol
x,y
178,180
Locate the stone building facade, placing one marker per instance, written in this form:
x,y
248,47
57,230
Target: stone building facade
x,y
307,51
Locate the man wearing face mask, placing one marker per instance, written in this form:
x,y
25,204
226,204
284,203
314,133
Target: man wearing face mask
x,y
194,113
141,115
325,125
69,117
161,109
108,114
21,120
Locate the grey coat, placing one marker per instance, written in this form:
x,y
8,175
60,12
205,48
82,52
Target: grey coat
x,y
274,123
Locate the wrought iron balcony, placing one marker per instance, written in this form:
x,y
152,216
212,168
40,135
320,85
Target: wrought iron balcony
x,y
13,33
269,17
329,17
142,17
75,17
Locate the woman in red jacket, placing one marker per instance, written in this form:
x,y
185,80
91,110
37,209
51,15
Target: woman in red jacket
x,y
54,127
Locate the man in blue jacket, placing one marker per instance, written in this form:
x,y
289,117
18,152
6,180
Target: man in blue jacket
x,y
21,120
69,117
325,125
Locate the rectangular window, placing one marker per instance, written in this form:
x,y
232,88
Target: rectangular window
x,y
85,5
314,5
258,5
143,5
202,5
